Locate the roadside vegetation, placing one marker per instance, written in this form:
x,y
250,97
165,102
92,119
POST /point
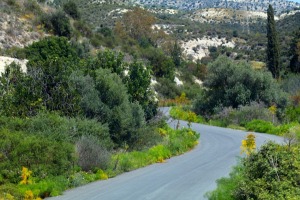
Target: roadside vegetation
x,y
86,109
268,173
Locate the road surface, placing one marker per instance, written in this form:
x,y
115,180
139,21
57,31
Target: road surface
x,y
185,177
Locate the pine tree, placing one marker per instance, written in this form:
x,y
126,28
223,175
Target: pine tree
x,y
272,48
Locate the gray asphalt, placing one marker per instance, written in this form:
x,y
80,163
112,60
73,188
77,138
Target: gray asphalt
x,y
185,177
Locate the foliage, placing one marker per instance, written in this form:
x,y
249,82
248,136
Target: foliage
x,y
244,114
25,176
227,185
293,114
105,98
273,63
91,154
162,65
167,88
248,145
295,53
138,23
57,22
174,142
16,93
138,83
107,60
176,54
42,156
51,62
235,84
272,172
184,114
291,84
71,9
267,127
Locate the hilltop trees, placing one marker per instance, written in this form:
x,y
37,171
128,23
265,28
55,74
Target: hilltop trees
x,y
295,53
272,47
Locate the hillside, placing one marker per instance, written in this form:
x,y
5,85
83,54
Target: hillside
x,y
251,5
18,26
81,83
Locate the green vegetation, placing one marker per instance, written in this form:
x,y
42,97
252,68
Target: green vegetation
x,y
185,114
175,142
72,119
92,111
67,165
273,63
236,84
271,172
295,53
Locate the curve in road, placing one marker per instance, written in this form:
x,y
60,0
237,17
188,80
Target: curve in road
x,y
185,177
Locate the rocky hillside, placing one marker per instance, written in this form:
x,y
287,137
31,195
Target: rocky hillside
x,y
18,26
253,5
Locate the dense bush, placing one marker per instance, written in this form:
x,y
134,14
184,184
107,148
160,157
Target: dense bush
x,y
244,114
167,88
174,142
71,9
260,126
92,154
267,127
185,114
234,84
55,127
104,97
42,156
271,173
291,84
58,23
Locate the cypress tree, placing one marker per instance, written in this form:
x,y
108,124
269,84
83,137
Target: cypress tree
x,y
295,53
272,48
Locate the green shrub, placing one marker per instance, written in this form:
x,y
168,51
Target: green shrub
x,y
185,114
271,173
293,114
245,114
92,154
32,6
167,88
52,186
174,142
83,28
226,186
42,156
260,126
234,84
159,153
57,22
71,9
267,127
55,127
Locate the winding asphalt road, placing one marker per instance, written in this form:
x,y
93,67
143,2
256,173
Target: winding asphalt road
x,y
185,177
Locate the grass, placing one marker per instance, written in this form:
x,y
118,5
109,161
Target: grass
x,y
184,114
174,142
256,125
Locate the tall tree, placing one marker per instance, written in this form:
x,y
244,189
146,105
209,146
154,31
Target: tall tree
x,y
272,48
176,54
138,23
295,53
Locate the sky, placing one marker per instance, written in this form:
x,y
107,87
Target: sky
x,y
296,1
